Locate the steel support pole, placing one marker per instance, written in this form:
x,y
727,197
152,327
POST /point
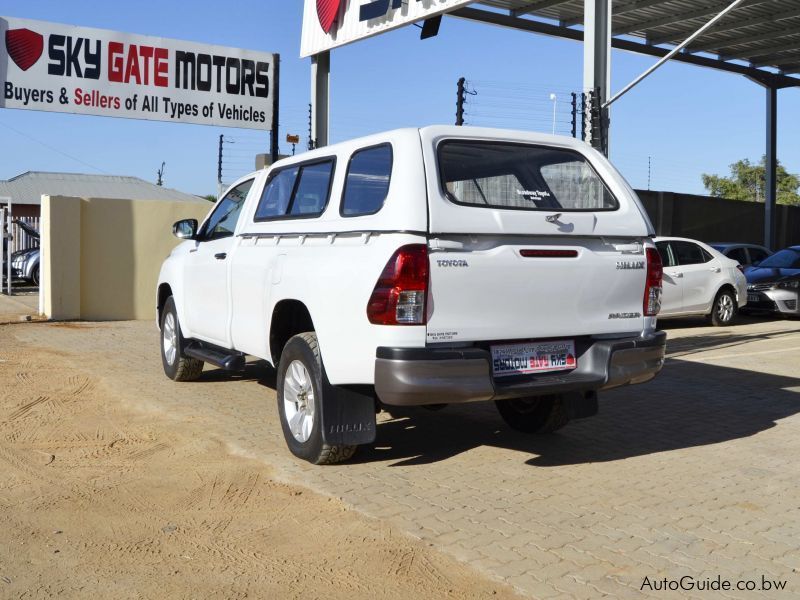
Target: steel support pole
x,y
597,66
320,98
770,198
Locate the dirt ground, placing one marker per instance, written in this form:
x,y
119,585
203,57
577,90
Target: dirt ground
x,y
100,501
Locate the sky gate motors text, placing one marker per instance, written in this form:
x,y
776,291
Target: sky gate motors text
x,y
149,65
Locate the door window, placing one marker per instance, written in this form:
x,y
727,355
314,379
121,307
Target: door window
x,y
757,255
738,254
222,222
666,254
687,253
367,182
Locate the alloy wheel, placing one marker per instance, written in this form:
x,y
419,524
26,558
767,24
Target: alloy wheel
x,y
170,338
298,401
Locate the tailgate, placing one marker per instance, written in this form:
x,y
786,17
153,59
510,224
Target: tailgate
x,y
531,236
485,289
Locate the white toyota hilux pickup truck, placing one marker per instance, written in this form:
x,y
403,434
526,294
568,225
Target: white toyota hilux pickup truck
x,y
420,267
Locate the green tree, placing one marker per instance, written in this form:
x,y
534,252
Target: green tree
x,y
210,197
747,181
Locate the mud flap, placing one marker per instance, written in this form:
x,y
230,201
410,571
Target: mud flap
x,y
580,405
348,418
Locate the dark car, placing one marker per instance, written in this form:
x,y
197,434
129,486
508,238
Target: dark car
x,y
745,254
774,285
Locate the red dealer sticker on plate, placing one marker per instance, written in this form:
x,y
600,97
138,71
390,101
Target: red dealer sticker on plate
x,y
533,357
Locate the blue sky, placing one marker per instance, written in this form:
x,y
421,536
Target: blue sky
x,y
688,120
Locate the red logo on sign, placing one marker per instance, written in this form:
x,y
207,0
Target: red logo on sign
x,y
24,47
328,13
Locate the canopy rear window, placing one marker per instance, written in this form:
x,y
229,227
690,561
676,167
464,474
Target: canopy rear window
x,y
521,177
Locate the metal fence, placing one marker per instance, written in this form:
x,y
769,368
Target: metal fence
x,y
21,240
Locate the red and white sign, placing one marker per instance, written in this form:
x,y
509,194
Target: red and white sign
x,y
331,23
62,68
533,357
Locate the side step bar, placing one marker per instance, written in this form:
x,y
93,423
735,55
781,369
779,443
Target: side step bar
x,y
224,359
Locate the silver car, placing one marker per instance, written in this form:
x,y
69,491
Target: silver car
x,y
774,285
25,263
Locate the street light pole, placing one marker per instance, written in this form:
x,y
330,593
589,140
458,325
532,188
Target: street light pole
x,y
554,98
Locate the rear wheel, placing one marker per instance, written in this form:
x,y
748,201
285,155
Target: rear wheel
x,y
544,414
177,366
35,276
300,398
725,309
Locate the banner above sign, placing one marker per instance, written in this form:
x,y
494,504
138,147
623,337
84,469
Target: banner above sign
x,y
62,68
331,23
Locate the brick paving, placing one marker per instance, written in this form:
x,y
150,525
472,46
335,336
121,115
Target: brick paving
x,y
694,474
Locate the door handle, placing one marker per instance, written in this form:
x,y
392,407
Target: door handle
x,y
715,269
676,275
221,255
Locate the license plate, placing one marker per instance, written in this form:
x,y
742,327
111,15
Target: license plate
x,y
753,298
533,357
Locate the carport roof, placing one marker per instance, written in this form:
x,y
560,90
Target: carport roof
x,y
759,38
28,187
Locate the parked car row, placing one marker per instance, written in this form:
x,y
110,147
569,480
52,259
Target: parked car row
x,y
720,280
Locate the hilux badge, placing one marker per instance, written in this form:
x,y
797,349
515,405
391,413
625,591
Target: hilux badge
x,y
623,265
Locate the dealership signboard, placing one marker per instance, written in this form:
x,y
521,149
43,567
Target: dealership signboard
x,y
331,23
62,68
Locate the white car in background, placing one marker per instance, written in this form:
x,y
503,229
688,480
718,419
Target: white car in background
x,y
699,280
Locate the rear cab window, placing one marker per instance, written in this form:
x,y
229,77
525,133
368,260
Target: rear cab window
x,y
517,176
297,191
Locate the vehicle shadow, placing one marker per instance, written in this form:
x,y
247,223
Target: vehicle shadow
x,y
690,404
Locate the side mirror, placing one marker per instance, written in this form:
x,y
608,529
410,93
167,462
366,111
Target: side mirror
x,y
185,229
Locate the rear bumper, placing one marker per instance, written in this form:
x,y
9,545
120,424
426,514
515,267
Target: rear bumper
x,y
416,376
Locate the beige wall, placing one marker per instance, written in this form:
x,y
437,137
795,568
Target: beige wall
x,y
101,257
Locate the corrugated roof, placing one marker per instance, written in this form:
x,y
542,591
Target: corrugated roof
x,y
760,38
27,188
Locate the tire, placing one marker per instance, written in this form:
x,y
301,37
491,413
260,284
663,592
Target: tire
x,y
724,310
177,366
35,276
300,399
544,414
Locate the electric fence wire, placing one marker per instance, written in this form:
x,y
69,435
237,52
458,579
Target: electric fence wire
x,y
531,106
536,107
53,148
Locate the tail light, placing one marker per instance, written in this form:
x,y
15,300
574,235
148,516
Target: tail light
x,y
740,267
399,297
652,289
